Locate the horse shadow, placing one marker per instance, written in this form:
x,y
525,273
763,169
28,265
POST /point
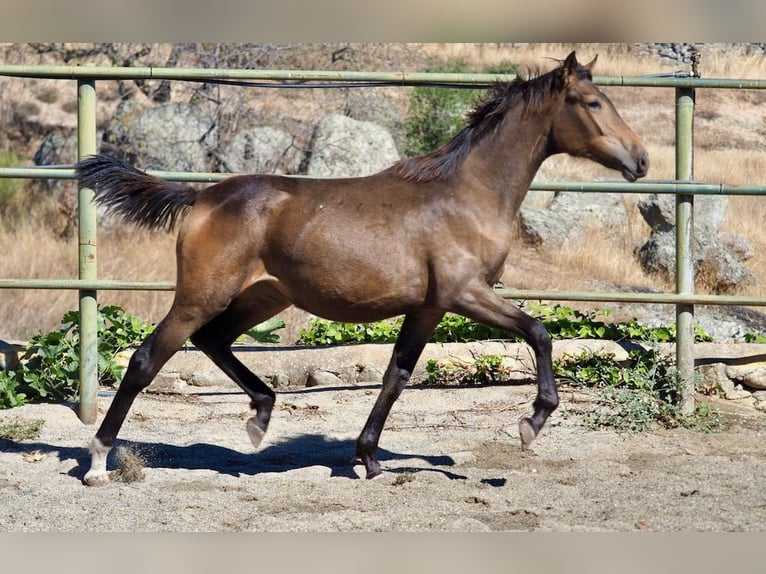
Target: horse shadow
x,y
298,452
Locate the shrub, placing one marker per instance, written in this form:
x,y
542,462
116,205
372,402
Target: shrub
x,y
51,367
561,322
632,396
486,369
50,370
436,114
12,198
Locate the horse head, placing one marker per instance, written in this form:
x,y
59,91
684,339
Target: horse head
x,y
588,125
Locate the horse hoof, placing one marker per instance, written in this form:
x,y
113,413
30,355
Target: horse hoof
x,y
255,432
527,433
96,479
372,468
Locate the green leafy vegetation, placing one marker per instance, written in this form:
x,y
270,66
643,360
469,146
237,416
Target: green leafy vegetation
x,y
49,371
323,332
755,338
11,193
561,322
437,114
632,395
486,369
265,332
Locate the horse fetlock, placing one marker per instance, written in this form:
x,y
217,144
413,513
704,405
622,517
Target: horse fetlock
x,y
97,474
371,466
368,457
373,471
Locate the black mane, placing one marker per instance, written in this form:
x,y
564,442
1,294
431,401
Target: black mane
x,y
482,122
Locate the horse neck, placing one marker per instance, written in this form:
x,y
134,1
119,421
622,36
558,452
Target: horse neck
x,y
505,162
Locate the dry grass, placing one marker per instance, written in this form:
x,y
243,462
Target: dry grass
x,y
35,254
729,132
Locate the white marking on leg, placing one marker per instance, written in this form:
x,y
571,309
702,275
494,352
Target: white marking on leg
x,y
97,475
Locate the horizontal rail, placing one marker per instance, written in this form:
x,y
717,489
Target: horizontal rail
x,y
305,77
521,294
87,284
613,297
657,186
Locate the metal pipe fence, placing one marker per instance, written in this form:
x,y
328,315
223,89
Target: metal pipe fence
x,y
683,187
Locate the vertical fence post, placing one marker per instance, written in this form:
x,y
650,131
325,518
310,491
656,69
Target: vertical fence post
x,y
86,213
684,238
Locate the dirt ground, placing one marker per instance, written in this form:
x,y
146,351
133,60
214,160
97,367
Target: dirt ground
x,y
451,460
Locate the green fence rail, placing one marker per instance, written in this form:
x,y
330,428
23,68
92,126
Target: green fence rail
x,y
683,187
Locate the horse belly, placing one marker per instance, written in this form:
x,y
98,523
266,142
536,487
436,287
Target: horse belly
x,y
355,288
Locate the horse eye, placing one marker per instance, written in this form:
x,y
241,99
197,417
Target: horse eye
x,y
594,105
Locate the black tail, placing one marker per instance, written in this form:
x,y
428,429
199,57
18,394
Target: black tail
x,y
139,198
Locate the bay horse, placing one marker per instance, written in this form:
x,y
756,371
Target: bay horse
x,y
426,236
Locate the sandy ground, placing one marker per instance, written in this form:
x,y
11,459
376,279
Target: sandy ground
x,y
451,462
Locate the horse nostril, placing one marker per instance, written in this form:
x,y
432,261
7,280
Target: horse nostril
x,y
643,162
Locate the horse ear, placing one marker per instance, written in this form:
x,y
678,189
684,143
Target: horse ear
x,y
589,66
570,64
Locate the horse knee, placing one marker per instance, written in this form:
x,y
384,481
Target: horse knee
x,y
395,380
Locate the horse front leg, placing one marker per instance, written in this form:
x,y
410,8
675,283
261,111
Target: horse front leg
x,y
480,303
415,332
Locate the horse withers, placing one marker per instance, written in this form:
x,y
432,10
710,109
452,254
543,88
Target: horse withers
x,y
427,236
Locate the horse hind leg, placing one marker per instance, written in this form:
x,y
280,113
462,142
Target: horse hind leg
x,y
145,363
215,338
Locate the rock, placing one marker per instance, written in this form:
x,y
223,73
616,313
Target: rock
x,y
731,391
55,149
322,378
167,382
207,379
751,375
173,136
714,375
59,148
659,212
738,245
730,378
568,215
369,374
537,199
261,150
658,254
542,228
343,147
718,262
371,105
578,347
